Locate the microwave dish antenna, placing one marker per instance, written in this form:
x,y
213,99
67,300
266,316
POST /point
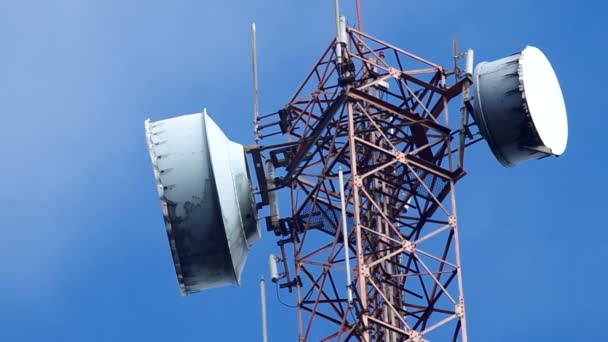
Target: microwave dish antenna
x,y
206,200
520,109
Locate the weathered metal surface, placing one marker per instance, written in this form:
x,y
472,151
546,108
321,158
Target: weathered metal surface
x,y
206,200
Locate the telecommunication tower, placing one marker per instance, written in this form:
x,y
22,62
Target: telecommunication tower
x,y
380,114
374,144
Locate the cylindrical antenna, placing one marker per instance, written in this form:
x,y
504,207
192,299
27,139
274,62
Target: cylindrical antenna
x,y
342,37
345,235
272,195
254,62
263,302
469,65
272,268
338,48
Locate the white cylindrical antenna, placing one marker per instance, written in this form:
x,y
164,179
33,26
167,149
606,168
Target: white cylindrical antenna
x,y
254,62
272,195
273,269
263,302
470,61
342,37
345,235
337,10
338,47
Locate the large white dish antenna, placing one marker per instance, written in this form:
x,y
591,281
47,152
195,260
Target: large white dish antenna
x,y
519,107
206,200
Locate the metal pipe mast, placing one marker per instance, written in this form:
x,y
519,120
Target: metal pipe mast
x,y
380,114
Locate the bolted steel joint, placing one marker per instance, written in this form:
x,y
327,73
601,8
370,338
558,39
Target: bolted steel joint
x,y
364,271
415,336
452,221
394,72
401,157
357,181
459,309
408,246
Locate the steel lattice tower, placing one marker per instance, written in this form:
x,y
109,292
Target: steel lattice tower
x,y
380,114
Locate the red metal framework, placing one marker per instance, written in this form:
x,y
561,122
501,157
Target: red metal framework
x,y
382,117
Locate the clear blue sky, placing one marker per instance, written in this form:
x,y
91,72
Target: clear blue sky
x,y
83,251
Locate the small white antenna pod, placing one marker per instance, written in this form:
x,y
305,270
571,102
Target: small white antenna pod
x,y
273,269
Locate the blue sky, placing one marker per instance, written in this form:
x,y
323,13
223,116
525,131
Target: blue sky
x,y
83,252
